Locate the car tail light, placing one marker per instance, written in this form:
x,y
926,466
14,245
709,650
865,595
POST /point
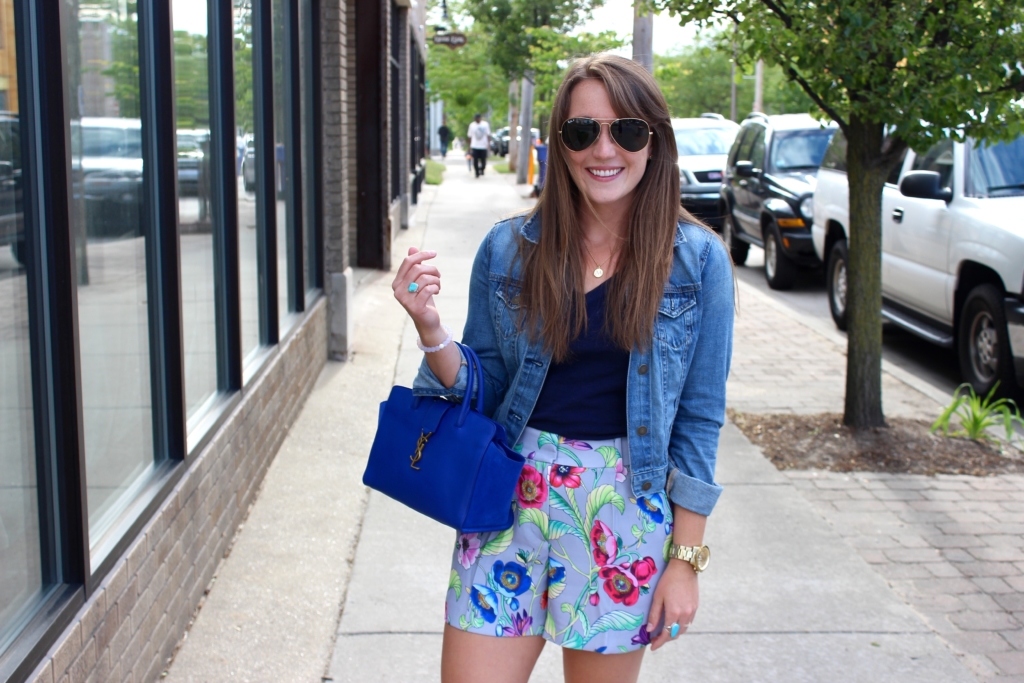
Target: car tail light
x,y
790,222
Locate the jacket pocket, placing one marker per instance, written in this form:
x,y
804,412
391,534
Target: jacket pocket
x,y
675,318
507,308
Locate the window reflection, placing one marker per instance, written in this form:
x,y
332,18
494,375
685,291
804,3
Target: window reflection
x,y
21,576
110,244
192,107
282,148
246,169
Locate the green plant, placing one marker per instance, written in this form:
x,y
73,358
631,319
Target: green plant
x,y
434,172
501,167
977,414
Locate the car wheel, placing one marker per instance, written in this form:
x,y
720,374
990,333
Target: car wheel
x,y
835,282
779,271
983,343
738,249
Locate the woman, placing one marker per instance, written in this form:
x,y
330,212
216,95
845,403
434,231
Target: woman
x,y
605,339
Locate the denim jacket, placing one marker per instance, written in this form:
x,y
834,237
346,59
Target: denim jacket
x,y
675,393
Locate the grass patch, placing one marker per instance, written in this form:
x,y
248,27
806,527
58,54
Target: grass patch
x,y
434,173
502,167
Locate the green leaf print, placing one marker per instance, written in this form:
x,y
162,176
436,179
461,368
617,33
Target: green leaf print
x,y
498,544
570,610
549,626
555,589
464,623
614,621
547,439
568,506
535,516
558,529
668,544
573,641
455,583
610,455
600,497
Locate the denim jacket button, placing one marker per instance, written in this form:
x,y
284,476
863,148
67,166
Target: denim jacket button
x,y
646,486
642,431
642,370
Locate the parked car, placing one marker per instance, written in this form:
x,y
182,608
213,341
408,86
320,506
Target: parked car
x,y
110,150
12,227
703,145
499,142
249,168
191,158
952,251
768,189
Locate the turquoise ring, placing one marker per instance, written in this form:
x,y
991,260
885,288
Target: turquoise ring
x,y
674,631
413,286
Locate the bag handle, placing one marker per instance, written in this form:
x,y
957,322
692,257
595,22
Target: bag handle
x,y
474,374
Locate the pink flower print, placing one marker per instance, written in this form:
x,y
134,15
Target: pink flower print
x,y
620,471
566,475
643,570
468,549
620,584
532,490
606,548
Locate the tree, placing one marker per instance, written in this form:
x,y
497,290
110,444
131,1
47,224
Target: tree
x,y
695,80
191,92
124,64
468,81
919,70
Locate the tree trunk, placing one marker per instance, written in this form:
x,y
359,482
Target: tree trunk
x,y
866,177
526,123
513,121
643,36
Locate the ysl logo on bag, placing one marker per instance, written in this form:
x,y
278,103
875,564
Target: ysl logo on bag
x,y
420,443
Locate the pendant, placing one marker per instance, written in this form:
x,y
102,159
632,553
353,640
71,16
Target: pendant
x,y
598,272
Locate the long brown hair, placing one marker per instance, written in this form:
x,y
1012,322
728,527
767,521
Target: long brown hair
x,y
552,295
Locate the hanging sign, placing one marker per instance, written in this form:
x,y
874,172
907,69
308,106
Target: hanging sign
x,y
452,40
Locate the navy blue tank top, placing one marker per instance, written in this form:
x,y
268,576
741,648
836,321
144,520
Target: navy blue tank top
x,y
585,397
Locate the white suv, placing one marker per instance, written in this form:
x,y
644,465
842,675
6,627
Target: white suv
x,y
952,251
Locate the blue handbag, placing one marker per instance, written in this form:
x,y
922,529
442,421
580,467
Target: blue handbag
x,y
446,460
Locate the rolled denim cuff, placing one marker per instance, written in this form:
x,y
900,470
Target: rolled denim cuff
x,y
693,494
427,383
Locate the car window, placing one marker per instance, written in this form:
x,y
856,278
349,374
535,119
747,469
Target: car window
x,y
835,154
734,153
996,170
800,149
696,141
757,148
112,142
939,159
894,174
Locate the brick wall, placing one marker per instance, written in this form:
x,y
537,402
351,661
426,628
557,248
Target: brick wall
x,y
129,627
349,127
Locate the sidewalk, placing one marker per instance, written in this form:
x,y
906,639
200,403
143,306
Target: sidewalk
x,y
785,599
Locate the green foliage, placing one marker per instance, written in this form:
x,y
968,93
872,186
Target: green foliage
x,y
977,414
191,90
696,80
243,67
501,167
468,82
550,55
124,63
927,69
434,172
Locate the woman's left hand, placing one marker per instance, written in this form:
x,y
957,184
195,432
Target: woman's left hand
x,y
675,597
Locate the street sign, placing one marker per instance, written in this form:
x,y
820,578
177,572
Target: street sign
x,y
452,40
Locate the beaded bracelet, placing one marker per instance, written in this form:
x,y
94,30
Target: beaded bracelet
x,y
432,349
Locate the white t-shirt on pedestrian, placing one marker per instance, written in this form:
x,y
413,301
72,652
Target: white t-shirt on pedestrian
x,y
479,135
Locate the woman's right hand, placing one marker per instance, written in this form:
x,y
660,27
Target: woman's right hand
x,y
420,304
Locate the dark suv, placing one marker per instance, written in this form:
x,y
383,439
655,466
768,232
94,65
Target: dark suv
x,y
768,189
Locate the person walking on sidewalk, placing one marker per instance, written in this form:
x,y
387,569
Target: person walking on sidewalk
x,y
479,143
603,320
443,133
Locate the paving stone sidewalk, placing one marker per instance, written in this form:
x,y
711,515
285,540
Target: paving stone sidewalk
x,y
952,547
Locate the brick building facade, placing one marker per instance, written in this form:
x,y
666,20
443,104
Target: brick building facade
x,y
189,197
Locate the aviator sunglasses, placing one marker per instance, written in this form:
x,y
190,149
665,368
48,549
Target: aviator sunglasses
x,y
632,135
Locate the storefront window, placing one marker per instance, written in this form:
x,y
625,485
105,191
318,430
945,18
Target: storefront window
x,y
282,149
110,233
195,210
21,576
245,167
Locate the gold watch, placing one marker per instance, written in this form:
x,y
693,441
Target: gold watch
x,y
697,556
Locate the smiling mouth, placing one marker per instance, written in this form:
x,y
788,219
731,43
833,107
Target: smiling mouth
x,y
604,172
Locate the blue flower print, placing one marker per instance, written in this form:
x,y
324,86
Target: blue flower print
x,y
510,578
653,508
485,601
556,571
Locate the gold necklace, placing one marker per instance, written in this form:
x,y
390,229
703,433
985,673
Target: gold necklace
x,y
599,271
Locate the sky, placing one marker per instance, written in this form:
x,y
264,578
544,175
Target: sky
x,y
617,15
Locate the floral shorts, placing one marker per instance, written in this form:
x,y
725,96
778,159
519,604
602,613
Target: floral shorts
x,y
581,561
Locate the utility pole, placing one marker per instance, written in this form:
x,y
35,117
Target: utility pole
x,y
732,79
759,85
643,37
525,121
